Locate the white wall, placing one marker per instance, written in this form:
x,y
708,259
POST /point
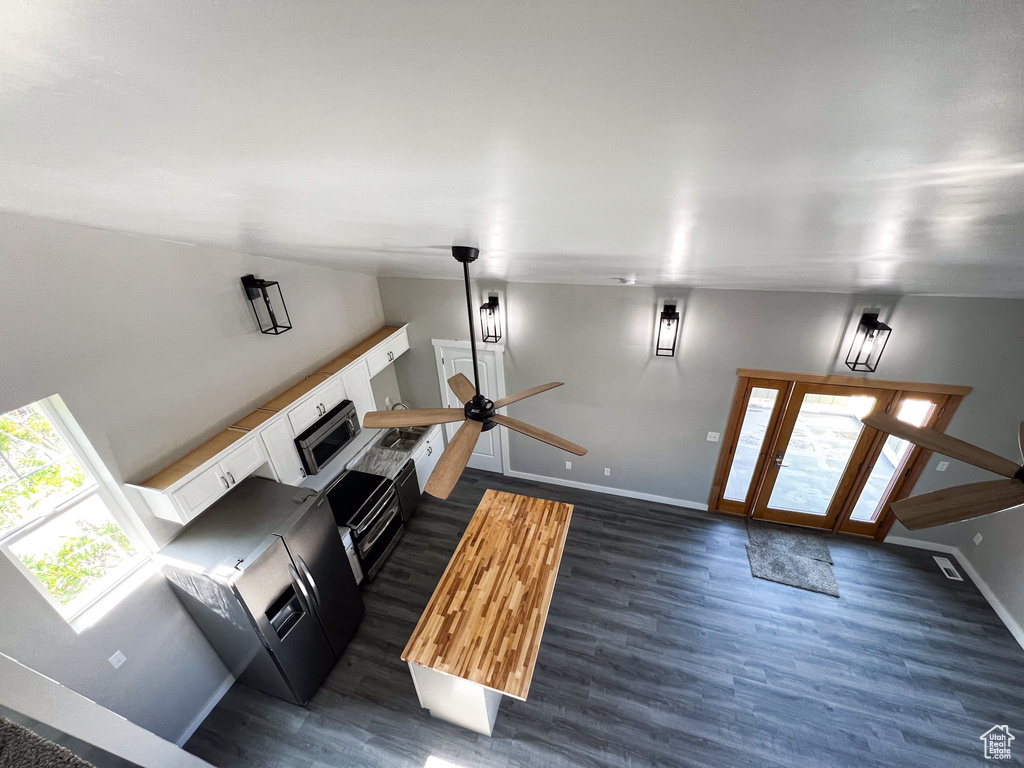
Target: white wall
x,y
646,418
45,700
154,349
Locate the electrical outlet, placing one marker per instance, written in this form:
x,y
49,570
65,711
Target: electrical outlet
x,y
607,471
387,401
977,539
568,465
117,660
942,466
713,437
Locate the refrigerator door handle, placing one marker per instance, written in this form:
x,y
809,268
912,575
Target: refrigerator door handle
x,y
309,578
303,594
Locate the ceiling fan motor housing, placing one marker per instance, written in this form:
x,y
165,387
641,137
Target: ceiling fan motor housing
x,y
479,408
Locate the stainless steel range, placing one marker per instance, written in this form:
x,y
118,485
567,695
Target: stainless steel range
x,y
369,506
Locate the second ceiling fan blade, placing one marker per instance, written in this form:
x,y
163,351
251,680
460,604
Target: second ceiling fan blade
x,y
462,387
454,459
526,393
421,417
539,434
962,502
942,443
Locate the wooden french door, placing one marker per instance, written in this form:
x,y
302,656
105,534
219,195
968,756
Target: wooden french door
x,y
796,451
817,451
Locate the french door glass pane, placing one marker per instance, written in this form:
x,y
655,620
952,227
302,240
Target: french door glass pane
x,y
895,453
824,436
752,433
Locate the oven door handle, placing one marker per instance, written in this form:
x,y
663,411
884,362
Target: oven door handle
x,y
366,546
372,515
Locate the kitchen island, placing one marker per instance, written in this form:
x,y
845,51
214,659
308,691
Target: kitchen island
x,y
479,636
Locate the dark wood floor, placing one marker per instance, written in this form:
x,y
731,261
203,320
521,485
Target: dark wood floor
x,y
661,649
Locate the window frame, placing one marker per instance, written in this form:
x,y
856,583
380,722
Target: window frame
x,y
103,485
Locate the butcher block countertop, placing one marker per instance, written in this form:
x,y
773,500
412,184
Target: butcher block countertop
x,y
485,620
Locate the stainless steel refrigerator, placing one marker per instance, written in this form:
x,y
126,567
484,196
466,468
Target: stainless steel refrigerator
x,y
264,574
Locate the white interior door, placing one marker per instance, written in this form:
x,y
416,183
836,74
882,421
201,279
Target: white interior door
x,y
455,357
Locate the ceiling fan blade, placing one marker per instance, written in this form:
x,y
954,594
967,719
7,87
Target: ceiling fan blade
x,y
462,387
941,443
539,434
526,393
454,459
962,502
415,418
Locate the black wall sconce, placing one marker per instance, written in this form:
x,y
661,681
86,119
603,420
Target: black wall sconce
x,y
668,330
868,343
268,304
490,319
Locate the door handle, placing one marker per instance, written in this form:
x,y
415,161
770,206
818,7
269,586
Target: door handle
x,y
309,577
324,407
303,594
430,450
224,481
778,458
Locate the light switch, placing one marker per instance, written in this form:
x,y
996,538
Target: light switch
x,y
977,539
942,466
607,471
117,660
568,465
713,437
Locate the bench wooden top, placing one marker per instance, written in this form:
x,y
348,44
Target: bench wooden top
x,y
486,617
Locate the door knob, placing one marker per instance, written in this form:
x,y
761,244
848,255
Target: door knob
x,y
778,458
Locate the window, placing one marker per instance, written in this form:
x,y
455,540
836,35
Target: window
x,y
59,521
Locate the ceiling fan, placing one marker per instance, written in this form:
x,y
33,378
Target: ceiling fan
x,y
477,414
962,502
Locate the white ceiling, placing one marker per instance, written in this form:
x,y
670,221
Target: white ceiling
x,y
845,146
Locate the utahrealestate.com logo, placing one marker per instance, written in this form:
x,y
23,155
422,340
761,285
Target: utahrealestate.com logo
x,y
997,742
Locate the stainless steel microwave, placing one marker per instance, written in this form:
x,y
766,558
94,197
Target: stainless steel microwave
x,y
327,436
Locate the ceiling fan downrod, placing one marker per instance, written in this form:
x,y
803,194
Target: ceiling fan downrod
x,y
479,408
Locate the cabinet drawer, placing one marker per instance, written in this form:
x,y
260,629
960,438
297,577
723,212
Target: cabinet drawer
x,y
200,492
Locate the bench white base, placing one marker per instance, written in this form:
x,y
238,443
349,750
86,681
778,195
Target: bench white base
x,y
456,700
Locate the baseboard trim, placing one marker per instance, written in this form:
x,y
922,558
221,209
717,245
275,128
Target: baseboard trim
x,y
206,710
608,490
1004,615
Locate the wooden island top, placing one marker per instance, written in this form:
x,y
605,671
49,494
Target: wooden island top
x,y
486,617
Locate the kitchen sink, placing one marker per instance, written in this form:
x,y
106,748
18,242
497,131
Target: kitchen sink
x,y
402,438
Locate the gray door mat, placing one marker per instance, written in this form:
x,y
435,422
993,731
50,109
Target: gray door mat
x,y
790,539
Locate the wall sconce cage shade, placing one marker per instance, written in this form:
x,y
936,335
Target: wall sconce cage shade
x,y
668,330
868,343
268,304
490,319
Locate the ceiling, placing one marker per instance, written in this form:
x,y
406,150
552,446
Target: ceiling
x,y
839,146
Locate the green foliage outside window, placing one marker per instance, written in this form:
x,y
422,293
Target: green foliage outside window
x,y
38,471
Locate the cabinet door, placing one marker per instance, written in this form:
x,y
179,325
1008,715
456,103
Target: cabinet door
x,y
378,359
280,444
244,460
356,379
399,344
427,456
200,492
305,412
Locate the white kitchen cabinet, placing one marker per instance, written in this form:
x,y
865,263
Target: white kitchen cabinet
x,y
389,350
316,404
356,379
427,453
280,444
199,491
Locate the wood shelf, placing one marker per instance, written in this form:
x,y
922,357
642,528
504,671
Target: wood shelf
x,y
295,392
252,420
338,363
485,620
